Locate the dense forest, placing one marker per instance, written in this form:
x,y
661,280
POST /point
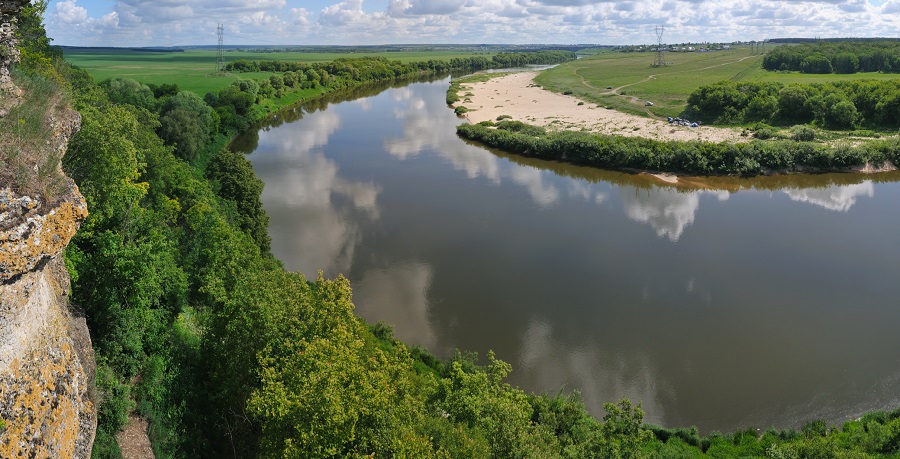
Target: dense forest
x,y
379,68
837,105
200,330
836,57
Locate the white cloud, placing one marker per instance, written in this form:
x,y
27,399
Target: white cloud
x,y
70,13
184,22
344,13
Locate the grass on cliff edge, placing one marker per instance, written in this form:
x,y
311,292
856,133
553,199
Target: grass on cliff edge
x,y
28,163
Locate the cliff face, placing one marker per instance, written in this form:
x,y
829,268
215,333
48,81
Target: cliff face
x,y
46,360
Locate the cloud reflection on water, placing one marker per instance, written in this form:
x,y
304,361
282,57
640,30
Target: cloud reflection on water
x,y
668,210
398,295
314,231
601,375
839,198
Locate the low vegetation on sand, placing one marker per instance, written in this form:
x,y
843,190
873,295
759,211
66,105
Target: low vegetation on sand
x,y
697,158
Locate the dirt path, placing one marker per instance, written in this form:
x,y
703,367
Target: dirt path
x,y
133,440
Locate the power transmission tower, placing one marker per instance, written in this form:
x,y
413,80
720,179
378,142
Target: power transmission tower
x,y
660,61
220,60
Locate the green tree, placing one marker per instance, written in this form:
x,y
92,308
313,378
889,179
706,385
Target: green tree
x,y
277,81
843,115
128,91
238,183
186,123
816,63
845,63
792,104
761,108
621,433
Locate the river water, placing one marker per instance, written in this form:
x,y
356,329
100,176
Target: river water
x,y
728,304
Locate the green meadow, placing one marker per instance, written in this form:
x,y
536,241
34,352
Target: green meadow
x,y
634,81
193,70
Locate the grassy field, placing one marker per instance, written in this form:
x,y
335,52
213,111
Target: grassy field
x,y
633,81
192,70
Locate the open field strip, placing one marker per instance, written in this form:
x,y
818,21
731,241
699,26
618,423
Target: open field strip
x,y
193,70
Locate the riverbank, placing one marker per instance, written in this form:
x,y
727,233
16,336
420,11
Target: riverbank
x,y
517,96
512,114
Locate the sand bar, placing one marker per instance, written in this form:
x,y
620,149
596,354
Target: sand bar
x,y
516,95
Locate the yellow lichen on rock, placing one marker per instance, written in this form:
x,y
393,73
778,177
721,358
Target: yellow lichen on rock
x,y
45,372
37,237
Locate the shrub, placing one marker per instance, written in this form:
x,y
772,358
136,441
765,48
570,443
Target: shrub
x,y
816,428
803,133
460,110
764,133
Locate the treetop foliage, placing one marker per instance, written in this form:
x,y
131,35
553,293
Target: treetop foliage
x,y
835,57
837,105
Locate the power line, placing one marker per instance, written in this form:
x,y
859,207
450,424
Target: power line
x,y
220,60
660,62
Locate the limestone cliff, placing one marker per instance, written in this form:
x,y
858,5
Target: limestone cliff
x,y
46,360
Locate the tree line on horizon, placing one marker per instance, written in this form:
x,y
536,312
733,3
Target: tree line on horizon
x,y
841,57
499,60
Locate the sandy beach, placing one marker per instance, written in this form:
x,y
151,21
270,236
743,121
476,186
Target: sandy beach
x,y
516,95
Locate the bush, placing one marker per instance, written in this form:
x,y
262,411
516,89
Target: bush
x,y
460,110
803,133
764,132
816,428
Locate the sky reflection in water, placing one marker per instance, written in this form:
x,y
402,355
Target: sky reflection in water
x,y
746,302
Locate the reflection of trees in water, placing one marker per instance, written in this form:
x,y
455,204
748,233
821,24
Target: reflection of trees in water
x,y
687,183
248,141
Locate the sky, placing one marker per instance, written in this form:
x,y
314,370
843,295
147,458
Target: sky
x,y
378,22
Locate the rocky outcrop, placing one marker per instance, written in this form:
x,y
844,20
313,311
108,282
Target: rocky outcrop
x,y
47,404
46,361
9,51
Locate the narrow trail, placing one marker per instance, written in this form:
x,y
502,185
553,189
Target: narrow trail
x,y
133,440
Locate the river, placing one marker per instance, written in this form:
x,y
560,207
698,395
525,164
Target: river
x,y
729,304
